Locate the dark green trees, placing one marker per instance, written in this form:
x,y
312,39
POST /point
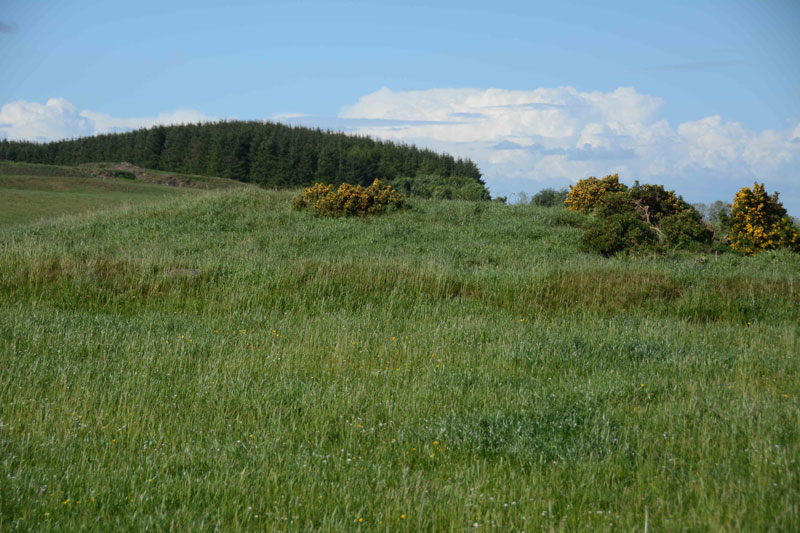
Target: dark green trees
x,y
265,153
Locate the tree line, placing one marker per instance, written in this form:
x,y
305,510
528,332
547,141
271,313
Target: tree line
x,y
265,153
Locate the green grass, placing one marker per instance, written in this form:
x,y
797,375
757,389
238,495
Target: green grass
x,y
36,169
25,199
219,361
31,192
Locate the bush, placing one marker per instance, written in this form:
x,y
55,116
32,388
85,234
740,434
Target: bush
x,y
550,197
614,203
584,195
637,218
686,229
349,200
442,188
653,202
621,232
759,222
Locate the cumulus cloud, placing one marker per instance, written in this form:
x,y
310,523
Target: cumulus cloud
x,y
526,140
59,119
55,119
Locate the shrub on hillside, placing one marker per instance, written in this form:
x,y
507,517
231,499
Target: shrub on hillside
x,y
653,202
613,203
676,222
584,195
349,200
442,187
642,217
759,222
620,232
686,229
550,197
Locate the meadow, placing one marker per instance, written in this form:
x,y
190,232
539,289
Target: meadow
x,y
216,360
31,192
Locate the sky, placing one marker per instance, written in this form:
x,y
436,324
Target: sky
x,y
701,96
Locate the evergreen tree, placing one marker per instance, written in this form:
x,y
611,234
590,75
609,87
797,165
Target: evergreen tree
x,y
270,154
327,164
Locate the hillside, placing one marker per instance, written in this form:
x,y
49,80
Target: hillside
x,y
218,360
31,192
264,153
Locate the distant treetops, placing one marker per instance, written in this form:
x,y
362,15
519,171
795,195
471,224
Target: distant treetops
x,y
648,217
264,153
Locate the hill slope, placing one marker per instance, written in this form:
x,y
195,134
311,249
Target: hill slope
x,y
31,192
264,153
219,360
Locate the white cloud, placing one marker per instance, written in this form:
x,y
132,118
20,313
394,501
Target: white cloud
x,y
497,114
56,119
525,140
59,119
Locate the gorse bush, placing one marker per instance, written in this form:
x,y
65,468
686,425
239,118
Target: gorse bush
x,y
686,229
642,217
676,222
584,195
654,203
349,200
759,222
620,232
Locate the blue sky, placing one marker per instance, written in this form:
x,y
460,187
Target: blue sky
x,y
704,96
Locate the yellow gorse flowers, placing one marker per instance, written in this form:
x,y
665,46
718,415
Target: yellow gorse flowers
x,y
349,200
584,195
759,222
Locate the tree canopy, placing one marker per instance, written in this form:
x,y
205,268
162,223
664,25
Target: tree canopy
x,y
265,153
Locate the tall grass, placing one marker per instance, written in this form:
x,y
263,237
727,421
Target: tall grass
x,y
219,361
31,198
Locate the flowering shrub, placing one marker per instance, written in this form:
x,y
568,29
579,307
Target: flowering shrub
x,y
621,232
759,222
676,222
643,217
655,203
686,229
349,200
584,195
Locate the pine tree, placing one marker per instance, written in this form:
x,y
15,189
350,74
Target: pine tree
x,y
269,154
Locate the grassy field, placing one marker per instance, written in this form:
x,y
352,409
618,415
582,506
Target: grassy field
x,y
219,361
30,192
